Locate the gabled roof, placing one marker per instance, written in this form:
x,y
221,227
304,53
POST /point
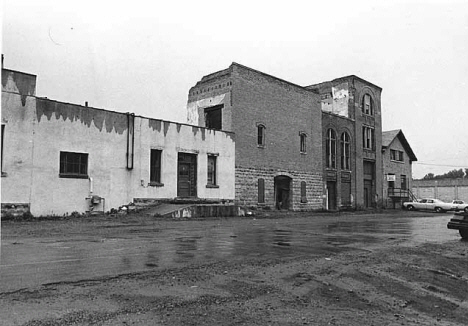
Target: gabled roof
x,y
389,136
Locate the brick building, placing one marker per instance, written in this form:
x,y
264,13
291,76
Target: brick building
x,y
297,147
351,131
397,157
278,127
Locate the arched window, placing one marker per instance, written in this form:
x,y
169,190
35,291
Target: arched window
x,y
331,149
367,105
345,152
303,144
260,135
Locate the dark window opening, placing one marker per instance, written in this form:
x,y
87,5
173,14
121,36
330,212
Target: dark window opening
x,y
155,166
261,191
213,117
396,155
261,135
368,138
367,105
403,182
73,165
303,192
345,151
211,170
331,149
303,146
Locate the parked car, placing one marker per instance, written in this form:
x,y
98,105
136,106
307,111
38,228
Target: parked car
x,y
460,222
460,205
429,204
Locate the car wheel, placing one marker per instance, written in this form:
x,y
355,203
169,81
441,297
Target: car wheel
x,y
464,233
410,207
439,210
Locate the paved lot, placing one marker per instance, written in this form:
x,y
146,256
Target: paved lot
x,y
394,268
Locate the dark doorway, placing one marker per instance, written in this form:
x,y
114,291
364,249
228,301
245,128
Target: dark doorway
x,y
331,194
282,191
368,193
187,175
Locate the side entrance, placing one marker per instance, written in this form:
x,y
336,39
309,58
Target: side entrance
x,y
187,175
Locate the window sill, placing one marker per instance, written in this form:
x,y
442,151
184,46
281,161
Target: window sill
x,y
261,146
304,153
395,161
73,176
212,186
155,184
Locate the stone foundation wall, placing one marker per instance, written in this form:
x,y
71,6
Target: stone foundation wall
x,y
247,188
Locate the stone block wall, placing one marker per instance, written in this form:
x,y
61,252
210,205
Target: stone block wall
x,y
247,188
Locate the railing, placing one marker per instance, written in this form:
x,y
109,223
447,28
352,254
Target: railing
x,y
399,193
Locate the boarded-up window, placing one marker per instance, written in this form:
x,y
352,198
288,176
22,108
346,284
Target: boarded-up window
x,y
211,170
261,190
73,165
346,194
303,192
155,166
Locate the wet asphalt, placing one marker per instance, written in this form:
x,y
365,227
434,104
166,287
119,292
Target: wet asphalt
x,y
110,249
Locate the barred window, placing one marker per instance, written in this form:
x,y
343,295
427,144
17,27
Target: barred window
x,y
73,165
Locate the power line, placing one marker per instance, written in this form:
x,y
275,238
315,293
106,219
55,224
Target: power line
x,y
444,165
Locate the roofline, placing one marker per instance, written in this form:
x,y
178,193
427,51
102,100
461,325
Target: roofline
x,y
126,113
20,72
274,77
405,144
229,70
345,78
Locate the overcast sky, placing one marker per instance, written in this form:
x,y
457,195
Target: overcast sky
x,y
143,56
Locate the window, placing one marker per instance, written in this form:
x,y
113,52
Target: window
x,y
211,170
261,135
261,191
213,117
303,192
403,182
396,155
345,151
331,149
391,180
368,138
367,106
155,166
73,165
303,138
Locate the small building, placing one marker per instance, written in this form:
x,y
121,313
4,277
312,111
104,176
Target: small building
x,y
397,157
59,158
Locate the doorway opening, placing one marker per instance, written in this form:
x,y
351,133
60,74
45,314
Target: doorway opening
x,y
282,192
187,175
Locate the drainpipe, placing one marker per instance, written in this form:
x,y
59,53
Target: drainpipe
x,y
90,186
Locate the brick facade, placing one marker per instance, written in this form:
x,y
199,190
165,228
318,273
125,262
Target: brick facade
x,y
250,98
342,102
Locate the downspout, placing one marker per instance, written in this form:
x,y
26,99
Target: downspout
x,y
130,139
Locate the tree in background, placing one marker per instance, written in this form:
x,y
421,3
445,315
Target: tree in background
x,y
454,174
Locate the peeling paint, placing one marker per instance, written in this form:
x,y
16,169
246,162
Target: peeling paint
x,y
178,125
192,107
112,120
17,82
203,133
154,124
195,130
166,127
